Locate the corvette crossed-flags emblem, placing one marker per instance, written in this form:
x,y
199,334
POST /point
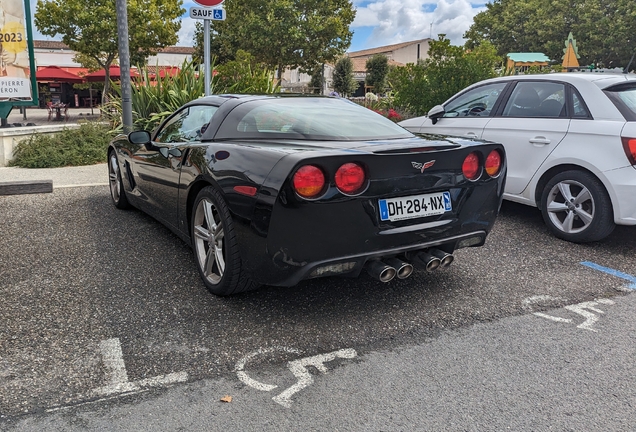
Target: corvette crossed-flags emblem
x,y
422,166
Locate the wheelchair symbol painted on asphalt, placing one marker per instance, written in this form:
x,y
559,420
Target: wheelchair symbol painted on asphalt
x,y
297,367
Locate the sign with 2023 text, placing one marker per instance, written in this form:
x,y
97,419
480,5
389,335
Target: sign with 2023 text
x,y
15,65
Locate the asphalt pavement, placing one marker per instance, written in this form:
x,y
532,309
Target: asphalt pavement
x,y
521,373
106,326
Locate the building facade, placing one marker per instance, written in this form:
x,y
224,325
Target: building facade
x,y
399,54
55,53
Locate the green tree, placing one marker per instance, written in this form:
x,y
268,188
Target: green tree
x,y
377,71
89,28
283,33
245,75
317,78
446,71
604,29
343,80
218,52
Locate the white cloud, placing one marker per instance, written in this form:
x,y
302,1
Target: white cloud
x,y
395,21
186,33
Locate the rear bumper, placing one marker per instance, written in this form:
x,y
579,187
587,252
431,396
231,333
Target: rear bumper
x,y
311,239
351,266
623,183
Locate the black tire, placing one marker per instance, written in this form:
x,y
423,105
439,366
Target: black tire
x,y
117,191
215,247
576,207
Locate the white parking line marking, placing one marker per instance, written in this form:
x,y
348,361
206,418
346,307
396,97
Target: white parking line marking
x,y
117,378
161,380
113,359
297,367
79,185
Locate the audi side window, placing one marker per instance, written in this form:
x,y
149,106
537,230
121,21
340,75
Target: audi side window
x,y
578,106
536,99
477,102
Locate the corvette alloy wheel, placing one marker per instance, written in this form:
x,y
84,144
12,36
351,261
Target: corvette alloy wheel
x,y
215,245
117,192
209,241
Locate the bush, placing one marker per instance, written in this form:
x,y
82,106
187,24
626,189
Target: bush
x,y
154,101
86,145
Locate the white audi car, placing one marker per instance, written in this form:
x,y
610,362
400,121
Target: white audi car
x,y
570,141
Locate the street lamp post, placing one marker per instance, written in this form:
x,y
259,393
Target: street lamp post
x,y
124,65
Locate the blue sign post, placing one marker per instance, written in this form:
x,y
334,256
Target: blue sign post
x,y
207,14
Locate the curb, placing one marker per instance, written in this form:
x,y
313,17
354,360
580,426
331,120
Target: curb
x,y
26,187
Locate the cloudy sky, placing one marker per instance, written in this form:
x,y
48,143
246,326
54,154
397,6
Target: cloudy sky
x,y
383,22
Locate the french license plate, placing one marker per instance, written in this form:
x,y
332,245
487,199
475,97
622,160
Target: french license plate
x,y
414,206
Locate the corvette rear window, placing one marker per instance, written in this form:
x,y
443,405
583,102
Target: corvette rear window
x,y
308,118
624,97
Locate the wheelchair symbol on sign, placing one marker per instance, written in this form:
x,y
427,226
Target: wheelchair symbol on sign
x,y
218,14
297,367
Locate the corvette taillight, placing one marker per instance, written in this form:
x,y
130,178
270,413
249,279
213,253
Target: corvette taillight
x,y
493,163
629,145
470,167
309,181
350,178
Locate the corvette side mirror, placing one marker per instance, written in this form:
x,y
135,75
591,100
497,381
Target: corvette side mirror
x,y
139,137
436,113
142,138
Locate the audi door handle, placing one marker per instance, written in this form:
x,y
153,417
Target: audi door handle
x,y
540,141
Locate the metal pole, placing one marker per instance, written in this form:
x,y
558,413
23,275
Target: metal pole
x,y
90,98
124,65
206,55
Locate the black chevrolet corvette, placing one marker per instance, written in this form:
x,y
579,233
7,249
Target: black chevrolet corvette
x,y
273,190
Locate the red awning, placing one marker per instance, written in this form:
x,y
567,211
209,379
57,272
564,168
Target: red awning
x,y
115,74
57,74
169,71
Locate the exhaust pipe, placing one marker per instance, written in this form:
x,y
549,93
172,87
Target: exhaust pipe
x,y
426,261
381,271
403,269
445,258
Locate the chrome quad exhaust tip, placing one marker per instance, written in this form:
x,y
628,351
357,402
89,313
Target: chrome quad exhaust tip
x,y
403,269
381,271
426,261
445,258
